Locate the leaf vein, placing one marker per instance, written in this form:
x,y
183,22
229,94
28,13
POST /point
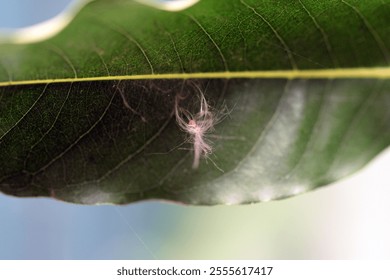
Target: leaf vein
x,y
352,123
25,114
50,128
374,34
325,37
61,54
78,139
224,61
280,38
126,34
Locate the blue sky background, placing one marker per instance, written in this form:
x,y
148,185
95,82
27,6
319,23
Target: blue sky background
x,y
20,13
346,220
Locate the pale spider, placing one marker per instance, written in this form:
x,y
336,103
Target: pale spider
x,y
197,126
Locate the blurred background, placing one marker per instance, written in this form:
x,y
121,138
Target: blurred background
x,y
22,13
347,220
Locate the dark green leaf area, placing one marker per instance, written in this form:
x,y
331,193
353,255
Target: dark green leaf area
x,y
116,38
118,141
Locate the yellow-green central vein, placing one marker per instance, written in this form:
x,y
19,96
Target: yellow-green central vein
x,y
348,73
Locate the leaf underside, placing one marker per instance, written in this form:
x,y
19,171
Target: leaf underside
x,y
79,142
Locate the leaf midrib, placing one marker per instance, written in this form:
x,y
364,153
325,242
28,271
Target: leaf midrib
x,y
341,73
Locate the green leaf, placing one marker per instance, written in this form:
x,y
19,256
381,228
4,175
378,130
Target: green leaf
x,y
301,89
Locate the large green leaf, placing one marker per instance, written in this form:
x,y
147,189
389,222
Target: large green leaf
x,y
301,88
